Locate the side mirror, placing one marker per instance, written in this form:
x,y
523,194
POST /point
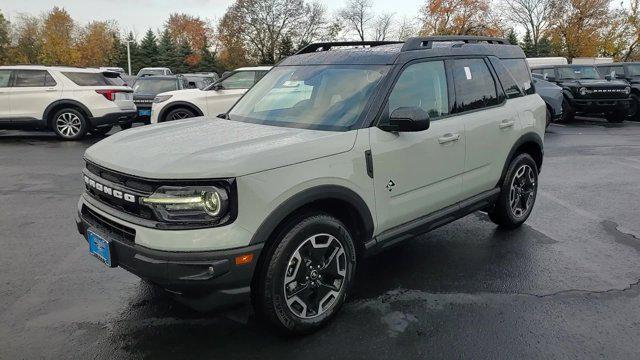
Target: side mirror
x,y
217,87
608,77
407,119
192,84
225,73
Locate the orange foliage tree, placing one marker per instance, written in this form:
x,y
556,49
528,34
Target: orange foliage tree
x,y
459,17
57,39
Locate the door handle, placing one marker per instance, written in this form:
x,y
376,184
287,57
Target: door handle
x,y
51,90
506,124
447,138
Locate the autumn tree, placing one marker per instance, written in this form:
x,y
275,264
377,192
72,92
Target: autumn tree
x,y
57,39
459,17
190,30
357,16
96,43
5,43
232,53
382,26
27,39
576,25
531,15
633,21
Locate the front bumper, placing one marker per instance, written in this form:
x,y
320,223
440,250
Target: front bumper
x,y
116,118
210,275
600,105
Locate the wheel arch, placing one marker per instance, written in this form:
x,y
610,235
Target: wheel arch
x,y
335,200
529,143
63,104
179,104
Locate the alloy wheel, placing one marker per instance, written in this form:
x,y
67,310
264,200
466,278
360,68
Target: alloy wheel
x,y
68,124
179,115
315,276
522,191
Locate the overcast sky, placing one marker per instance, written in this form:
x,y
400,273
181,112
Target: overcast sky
x,y
138,15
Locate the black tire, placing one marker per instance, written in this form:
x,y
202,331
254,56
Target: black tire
x,y
305,274
69,124
634,111
568,114
503,213
179,114
125,126
101,131
548,119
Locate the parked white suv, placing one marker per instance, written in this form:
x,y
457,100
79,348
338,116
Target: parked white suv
x,y
332,156
69,101
215,99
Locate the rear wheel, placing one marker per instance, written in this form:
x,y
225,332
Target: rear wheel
x,y
69,124
568,113
179,114
517,194
305,280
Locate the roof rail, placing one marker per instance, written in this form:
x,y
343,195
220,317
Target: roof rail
x,y
422,43
324,46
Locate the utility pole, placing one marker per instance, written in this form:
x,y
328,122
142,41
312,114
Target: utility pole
x,y
129,55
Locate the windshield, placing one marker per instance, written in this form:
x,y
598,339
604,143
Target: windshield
x,y
321,97
154,86
578,72
633,70
151,72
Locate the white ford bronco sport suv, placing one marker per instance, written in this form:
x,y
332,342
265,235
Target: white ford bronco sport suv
x,y
333,155
215,99
70,101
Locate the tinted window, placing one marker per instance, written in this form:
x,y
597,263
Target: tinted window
x,y
547,74
509,85
520,72
239,80
616,71
154,86
88,79
5,76
49,81
422,85
578,72
30,78
633,70
474,85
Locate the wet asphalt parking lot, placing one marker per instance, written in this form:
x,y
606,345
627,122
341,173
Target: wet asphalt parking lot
x,y
564,286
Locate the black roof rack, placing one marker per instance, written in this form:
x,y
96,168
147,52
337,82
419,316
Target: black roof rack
x,y
324,46
422,43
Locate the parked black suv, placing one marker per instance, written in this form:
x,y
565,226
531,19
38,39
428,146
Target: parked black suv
x,y
629,72
146,88
586,92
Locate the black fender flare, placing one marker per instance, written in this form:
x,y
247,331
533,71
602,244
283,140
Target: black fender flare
x,y
178,104
62,102
305,197
528,137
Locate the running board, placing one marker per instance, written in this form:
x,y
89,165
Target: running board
x,y
432,221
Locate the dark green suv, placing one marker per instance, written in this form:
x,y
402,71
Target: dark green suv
x,y
631,73
586,92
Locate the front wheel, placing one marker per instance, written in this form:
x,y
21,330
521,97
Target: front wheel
x,y
179,114
306,279
69,124
634,110
517,194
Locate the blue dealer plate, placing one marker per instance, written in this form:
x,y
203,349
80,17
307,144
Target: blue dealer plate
x,y
100,248
144,112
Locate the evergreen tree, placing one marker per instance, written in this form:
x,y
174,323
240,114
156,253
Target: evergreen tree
x,y
166,51
149,49
512,37
183,55
544,47
527,45
285,47
208,61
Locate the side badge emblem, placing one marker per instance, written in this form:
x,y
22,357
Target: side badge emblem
x,y
390,185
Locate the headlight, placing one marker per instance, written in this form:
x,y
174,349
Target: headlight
x,y
627,90
583,91
195,205
161,98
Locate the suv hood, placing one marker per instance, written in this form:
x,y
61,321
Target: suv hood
x,y
595,83
205,148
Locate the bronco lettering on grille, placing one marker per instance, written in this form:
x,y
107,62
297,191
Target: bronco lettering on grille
x,y
109,191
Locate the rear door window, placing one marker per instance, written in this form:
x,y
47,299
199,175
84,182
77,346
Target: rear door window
x,y
87,79
5,76
474,85
30,78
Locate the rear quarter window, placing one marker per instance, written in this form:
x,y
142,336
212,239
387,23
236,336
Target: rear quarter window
x,y
520,72
509,84
90,79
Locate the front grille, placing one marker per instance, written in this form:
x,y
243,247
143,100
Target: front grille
x,y
113,228
123,180
606,93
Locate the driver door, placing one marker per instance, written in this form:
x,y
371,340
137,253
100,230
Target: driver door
x,y
417,173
